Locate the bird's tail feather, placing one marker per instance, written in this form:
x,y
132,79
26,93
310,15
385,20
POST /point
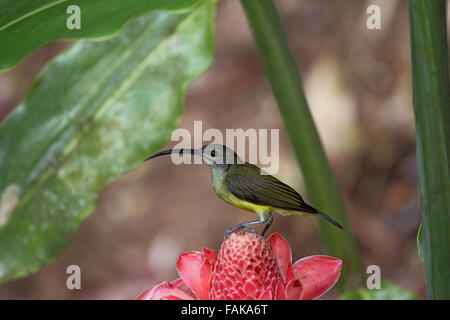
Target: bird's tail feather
x,y
329,219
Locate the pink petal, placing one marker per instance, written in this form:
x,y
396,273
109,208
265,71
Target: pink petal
x,y
195,273
206,270
205,278
178,283
145,295
164,290
280,291
171,298
282,252
210,255
294,290
317,274
266,295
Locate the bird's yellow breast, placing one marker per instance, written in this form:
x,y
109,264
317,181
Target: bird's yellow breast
x,y
223,192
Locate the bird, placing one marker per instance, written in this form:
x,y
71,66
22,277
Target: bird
x,y
249,188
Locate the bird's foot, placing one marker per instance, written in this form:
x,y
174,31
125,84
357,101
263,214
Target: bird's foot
x,y
228,233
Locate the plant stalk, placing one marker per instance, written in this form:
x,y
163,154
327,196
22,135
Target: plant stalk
x,y
431,92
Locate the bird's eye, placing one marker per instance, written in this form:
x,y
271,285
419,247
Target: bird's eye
x,y
213,153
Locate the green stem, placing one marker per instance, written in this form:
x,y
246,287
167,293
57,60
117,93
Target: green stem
x,y
284,78
432,114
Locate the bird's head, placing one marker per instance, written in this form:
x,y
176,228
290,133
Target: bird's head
x,y
219,155
214,155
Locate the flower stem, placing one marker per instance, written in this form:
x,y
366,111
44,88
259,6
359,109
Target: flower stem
x,y
284,78
432,114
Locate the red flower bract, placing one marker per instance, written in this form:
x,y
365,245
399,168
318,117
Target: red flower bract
x,y
248,267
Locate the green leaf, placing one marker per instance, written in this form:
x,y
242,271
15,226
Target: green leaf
x,y
94,113
388,291
26,25
420,243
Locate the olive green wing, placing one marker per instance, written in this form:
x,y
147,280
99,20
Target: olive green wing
x,y
246,182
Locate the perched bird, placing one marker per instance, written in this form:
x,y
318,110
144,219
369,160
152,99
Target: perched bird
x,y
244,186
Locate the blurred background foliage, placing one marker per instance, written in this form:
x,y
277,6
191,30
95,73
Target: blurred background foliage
x,y
358,85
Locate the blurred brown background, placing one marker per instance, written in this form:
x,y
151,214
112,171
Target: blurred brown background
x,y
358,84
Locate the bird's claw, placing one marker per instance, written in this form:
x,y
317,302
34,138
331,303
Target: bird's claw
x,y
228,233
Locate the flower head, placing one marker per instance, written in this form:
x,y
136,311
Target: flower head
x,y
248,267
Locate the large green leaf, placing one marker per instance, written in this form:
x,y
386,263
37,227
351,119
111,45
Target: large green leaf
x,y
94,113
26,25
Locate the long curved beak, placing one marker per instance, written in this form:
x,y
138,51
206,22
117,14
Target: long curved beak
x,y
170,151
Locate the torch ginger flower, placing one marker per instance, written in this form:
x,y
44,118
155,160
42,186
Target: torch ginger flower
x,y
248,267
